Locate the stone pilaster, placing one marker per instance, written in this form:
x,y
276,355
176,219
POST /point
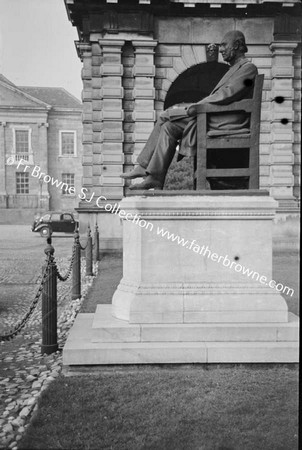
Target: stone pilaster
x,y
3,193
2,157
261,56
297,124
85,53
143,93
282,117
107,120
42,158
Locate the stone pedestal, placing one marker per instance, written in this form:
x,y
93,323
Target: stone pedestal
x,y
197,272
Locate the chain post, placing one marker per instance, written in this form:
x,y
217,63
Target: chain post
x,y
89,272
76,268
49,304
96,243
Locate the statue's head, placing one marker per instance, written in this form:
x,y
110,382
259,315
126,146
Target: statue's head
x,y
212,52
233,46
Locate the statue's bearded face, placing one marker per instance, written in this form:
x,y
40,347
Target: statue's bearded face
x,y
227,49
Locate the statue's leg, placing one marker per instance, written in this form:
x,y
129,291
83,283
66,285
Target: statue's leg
x,y
157,154
170,133
146,154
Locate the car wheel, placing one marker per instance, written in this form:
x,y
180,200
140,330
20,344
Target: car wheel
x,y
45,232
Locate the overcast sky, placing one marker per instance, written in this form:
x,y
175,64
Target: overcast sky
x,y
37,45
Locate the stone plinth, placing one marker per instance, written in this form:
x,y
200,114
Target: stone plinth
x,y
184,296
196,275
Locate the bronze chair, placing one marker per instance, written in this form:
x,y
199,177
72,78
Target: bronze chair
x,y
244,147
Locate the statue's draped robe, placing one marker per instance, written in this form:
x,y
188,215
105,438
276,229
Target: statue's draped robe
x,y
235,85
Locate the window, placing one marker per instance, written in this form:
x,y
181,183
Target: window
x,y
68,182
22,183
22,143
55,217
67,143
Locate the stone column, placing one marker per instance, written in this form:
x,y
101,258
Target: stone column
x,y
107,120
143,93
282,136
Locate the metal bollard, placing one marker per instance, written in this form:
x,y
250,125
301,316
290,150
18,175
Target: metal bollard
x,y
76,268
49,304
96,243
89,272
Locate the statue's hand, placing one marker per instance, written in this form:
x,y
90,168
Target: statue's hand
x,y
192,111
164,114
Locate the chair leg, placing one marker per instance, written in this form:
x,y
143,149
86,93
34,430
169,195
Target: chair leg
x,y
194,173
254,168
201,169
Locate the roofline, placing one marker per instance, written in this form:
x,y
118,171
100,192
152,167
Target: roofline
x,y
53,87
62,110
71,95
24,108
28,96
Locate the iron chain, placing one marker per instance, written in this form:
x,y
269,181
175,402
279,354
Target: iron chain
x,y
21,323
65,277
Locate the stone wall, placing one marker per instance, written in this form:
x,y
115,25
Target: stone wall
x,y
44,153
36,123
57,164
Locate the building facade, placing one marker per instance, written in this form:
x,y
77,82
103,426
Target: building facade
x,y
138,57
40,133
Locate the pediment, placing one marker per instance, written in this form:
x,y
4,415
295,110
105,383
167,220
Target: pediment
x,y
11,96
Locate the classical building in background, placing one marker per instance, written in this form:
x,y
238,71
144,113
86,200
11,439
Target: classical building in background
x,y
141,56
42,126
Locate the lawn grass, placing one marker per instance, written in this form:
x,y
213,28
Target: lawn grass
x,y
193,407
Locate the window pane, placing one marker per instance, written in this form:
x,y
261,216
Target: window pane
x,y
55,217
67,217
67,179
67,143
22,183
22,141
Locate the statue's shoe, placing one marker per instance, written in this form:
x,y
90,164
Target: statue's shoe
x,y
148,183
138,172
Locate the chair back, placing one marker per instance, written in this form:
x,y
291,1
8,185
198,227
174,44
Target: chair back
x,y
248,138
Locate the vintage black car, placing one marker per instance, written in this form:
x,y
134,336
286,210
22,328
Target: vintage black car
x,y
55,221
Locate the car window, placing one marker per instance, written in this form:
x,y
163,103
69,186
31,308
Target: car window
x,y
67,217
46,217
56,217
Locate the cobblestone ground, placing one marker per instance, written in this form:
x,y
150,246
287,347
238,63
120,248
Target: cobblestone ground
x,y
24,372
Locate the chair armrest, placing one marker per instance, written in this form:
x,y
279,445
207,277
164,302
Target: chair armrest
x,y
199,108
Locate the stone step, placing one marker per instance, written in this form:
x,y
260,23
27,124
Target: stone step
x,y
80,350
106,328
